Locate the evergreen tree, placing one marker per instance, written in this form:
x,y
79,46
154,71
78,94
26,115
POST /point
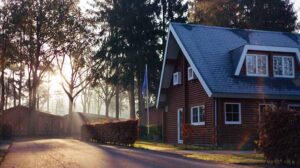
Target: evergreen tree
x,y
274,15
131,33
172,11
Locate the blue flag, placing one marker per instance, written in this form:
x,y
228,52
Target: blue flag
x,y
145,83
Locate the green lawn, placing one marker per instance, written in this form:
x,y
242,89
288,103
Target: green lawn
x,y
244,159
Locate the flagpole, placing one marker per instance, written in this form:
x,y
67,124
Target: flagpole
x,y
148,125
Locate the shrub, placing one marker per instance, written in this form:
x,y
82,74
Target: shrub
x,y
87,132
187,131
279,137
121,133
155,132
6,132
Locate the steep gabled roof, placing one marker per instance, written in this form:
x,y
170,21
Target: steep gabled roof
x,y
215,53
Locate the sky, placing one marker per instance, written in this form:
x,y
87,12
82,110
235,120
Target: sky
x,y
297,7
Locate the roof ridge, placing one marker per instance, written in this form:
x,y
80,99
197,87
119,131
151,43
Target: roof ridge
x,y
229,28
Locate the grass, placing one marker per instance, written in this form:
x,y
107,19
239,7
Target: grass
x,y
243,159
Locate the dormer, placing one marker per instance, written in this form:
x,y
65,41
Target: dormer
x,y
266,61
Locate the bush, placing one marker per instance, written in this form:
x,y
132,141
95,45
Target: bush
x,y
6,132
155,132
279,137
87,132
187,133
121,133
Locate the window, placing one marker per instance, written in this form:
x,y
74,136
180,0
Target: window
x,y
257,65
197,115
177,78
190,73
283,66
294,107
232,113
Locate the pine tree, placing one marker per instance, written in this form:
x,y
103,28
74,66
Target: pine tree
x,y
274,15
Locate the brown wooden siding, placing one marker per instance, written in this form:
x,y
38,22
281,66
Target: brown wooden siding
x,y
188,94
246,132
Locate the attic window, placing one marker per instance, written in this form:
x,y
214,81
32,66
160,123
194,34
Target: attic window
x,y
176,78
283,66
257,65
190,73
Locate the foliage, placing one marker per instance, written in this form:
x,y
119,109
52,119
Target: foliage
x,y
121,133
187,131
280,137
130,39
276,15
6,132
155,132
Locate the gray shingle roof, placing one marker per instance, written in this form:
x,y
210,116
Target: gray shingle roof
x,y
215,52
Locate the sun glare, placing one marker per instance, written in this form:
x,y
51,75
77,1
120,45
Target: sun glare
x,y
55,83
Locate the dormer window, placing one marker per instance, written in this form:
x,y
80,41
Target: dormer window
x,y
176,78
190,73
283,66
257,65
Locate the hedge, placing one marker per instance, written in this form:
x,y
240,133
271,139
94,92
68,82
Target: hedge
x,y
6,132
121,133
279,137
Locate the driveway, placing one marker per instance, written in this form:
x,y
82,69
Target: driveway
x,y
69,153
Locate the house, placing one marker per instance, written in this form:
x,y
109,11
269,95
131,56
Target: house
x,y
221,80
155,117
19,117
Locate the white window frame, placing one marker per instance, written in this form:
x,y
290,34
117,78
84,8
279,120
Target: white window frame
x,y
191,74
294,105
283,74
256,74
240,114
199,122
176,78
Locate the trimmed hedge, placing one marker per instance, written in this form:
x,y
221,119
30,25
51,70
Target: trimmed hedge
x,y
121,133
279,137
6,132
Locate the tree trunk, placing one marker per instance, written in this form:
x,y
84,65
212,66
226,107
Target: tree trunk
x,y
107,109
14,90
70,122
131,99
2,102
117,101
20,88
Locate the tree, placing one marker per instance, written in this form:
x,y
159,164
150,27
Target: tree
x,y
172,11
38,22
277,15
132,33
73,57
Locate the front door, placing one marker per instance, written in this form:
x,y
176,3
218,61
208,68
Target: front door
x,y
179,125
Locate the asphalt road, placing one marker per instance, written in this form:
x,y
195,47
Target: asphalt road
x,y
69,153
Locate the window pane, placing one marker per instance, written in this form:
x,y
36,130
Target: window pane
x,y
261,65
235,108
288,66
277,66
201,114
235,117
195,115
232,112
251,64
228,107
228,116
